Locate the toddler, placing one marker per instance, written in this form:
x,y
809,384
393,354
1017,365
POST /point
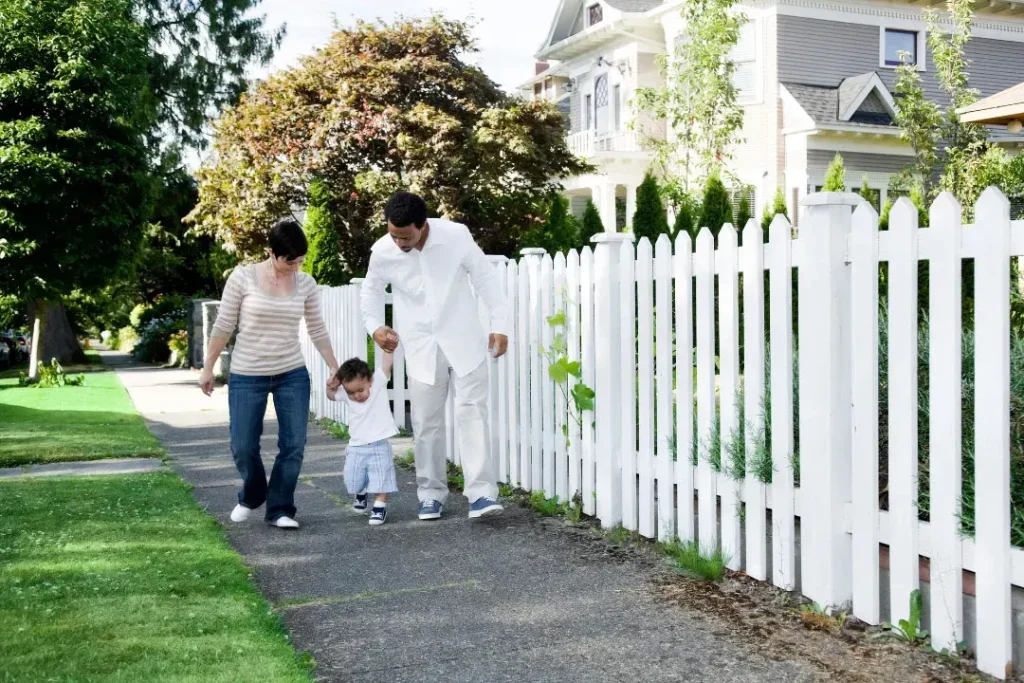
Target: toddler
x,y
369,466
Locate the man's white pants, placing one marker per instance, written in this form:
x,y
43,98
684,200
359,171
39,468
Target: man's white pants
x,y
428,424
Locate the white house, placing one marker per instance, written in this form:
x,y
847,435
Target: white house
x,y
815,77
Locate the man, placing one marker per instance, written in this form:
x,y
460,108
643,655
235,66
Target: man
x,y
430,265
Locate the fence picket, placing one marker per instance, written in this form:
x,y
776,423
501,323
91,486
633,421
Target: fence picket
x,y
991,436
645,388
683,441
548,398
498,427
560,433
781,325
902,369
588,358
536,376
944,438
707,518
753,410
512,376
629,289
729,329
572,319
663,404
524,373
864,344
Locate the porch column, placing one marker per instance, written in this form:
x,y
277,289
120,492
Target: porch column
x,y
606,205
630,204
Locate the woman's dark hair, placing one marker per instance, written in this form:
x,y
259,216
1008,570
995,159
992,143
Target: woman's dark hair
x,y
354,368
287,240
404,209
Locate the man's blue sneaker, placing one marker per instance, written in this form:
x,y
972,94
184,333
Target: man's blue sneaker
x,y
485,507
430,509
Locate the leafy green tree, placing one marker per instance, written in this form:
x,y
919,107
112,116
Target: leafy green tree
x,y
366,116
323,261
698,98
716,209
835,177
74,185
743,211
591,225
650,219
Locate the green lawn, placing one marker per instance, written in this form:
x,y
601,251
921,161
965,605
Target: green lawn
x,y
89,422
126,579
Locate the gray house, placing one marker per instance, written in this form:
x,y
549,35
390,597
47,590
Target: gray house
x,y
815,78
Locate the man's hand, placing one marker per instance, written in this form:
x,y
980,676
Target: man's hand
x,y
498,345
386,338
206,381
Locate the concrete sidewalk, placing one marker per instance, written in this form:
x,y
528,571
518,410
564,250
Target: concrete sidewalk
x,y
453,600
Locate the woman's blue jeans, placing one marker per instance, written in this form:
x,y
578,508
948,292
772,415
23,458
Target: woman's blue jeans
x,y
247,402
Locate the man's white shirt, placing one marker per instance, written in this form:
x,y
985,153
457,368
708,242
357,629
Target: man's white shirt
x,y
434,303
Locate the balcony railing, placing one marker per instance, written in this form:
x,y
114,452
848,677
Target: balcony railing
x,y
590,142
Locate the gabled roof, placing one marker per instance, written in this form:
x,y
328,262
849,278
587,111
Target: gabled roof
x,y
859,100
568,10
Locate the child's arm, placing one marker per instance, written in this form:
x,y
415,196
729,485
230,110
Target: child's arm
x,y
332,394
387,363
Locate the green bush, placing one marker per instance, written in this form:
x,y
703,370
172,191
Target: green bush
x,y
558,233
323,261
650,219
835,177
685,211
126,338
591,225
716,209
744,210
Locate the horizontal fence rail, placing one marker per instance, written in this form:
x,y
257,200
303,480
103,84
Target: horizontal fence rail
x,y
739,383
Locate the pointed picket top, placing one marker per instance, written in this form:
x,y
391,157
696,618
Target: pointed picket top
x,y
704,237
627,250
684,245
663,238
993,203
903,215
727,236
752,233
780,229
865,220
572,260
643,248
559,260
945,212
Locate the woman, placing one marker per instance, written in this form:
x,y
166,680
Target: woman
x,y
265,302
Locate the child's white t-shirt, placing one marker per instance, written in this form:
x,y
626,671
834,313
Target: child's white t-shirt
x,y
371,420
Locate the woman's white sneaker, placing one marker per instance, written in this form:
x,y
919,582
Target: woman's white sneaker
x,y
240,513
285,523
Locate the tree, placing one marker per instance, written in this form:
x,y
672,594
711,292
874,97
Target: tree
x,y
743,211
558,233
380,107
323,260
591,225
698,98
716,209
200,50
649,219
835,177
778,206
685,212
74,112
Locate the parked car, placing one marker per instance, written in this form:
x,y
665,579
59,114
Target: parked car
x,y
15,354
5,354
24,345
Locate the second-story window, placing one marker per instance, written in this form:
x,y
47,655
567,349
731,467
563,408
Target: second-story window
x,y
595,13
900,47
744,57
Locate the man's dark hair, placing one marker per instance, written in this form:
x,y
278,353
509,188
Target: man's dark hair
x,y
287,240
404,209
354,368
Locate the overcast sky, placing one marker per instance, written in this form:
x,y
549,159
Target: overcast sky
x,y
508,32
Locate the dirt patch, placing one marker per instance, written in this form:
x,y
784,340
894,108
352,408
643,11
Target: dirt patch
x,y
766,619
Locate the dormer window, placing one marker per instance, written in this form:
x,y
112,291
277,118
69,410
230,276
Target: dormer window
x,y
595,13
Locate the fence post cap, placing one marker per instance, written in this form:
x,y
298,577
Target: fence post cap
x,y
612,237
357,280
833,199
497,258
532,251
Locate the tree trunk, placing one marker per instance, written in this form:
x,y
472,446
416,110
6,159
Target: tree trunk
x,y
52,336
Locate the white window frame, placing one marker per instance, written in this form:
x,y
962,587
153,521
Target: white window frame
x,y
588,7
588,111
757,96
922,44
616,97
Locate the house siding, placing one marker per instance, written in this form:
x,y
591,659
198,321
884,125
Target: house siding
x,y
857,162
818,52
575,112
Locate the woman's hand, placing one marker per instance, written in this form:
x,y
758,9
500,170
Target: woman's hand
x,y
333,383
206,381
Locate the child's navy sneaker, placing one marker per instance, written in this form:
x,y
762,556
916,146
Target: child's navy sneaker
x,y
378,516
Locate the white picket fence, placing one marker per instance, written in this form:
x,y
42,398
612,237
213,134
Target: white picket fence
x,y
630,316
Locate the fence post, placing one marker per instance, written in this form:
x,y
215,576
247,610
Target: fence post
x,y
607,324
825,397
497,427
